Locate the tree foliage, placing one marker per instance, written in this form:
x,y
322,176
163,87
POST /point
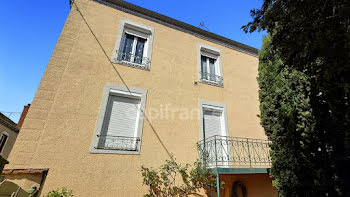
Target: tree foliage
x,y
64,192
173,179
286,116
310,38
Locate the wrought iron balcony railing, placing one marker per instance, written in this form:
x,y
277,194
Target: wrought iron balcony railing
x,y
233,152
211,78
108,142
132,60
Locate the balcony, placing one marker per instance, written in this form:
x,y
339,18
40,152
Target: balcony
x,y
211,79
108,142
232,155
132,60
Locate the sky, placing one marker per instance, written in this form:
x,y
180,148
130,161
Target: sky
x,y
30,29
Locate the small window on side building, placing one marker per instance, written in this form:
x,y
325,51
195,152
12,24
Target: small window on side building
x,y
3,140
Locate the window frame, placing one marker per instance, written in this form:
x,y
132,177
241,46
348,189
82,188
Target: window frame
x,y
210,53
137,30
214,106
7,138
119,90
134,46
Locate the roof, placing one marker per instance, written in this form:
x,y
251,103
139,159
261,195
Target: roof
x,y
24,171
4,120
145,13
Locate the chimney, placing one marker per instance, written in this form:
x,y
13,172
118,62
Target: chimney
x,y
23,116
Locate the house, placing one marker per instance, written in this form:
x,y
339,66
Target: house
x,y
28,178
126,87
8,135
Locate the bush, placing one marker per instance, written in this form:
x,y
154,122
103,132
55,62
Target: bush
x,y
173,179
64,192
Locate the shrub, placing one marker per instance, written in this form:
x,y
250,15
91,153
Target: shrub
x,y
64,192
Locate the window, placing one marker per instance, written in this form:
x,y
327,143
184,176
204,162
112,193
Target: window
x,y
3,142
210,68
120,122
213,134
213,120
134,45
119,131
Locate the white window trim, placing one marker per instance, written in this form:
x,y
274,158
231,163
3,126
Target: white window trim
x,y
134,48
215,106
114,89
217,70
213,53
139,30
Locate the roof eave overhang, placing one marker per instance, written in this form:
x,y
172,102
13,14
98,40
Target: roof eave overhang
x,y
176,24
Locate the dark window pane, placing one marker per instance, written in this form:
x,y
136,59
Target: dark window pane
x,y
204,67
139,50
212,69
2,142
127,48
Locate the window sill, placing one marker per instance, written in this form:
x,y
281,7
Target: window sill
x,y
109,151
211,83
117,145
132,64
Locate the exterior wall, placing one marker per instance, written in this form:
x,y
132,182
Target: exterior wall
x,y
257,185
59,127
12,135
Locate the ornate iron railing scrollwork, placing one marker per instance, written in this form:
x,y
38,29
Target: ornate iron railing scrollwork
x,y
211,78
230,152
109,142
132,60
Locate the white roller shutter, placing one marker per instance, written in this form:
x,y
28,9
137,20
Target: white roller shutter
x,y
210,55
136,33
122,116
212,123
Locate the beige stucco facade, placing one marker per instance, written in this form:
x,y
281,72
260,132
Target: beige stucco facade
x,y
58,130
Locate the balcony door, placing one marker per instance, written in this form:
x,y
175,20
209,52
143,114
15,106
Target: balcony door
x,y
214,133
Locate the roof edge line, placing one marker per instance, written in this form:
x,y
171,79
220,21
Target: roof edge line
x,y
253,51
8,123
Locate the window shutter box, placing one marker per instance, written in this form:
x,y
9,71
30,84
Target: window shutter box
x,y
210,55
136,33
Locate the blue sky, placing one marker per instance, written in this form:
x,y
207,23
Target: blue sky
x,y
30,30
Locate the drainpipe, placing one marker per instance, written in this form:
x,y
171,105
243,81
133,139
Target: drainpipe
x,y
204,147
217,184
217,173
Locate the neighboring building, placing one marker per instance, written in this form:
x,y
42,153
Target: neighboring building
x,y
8,135
195,87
